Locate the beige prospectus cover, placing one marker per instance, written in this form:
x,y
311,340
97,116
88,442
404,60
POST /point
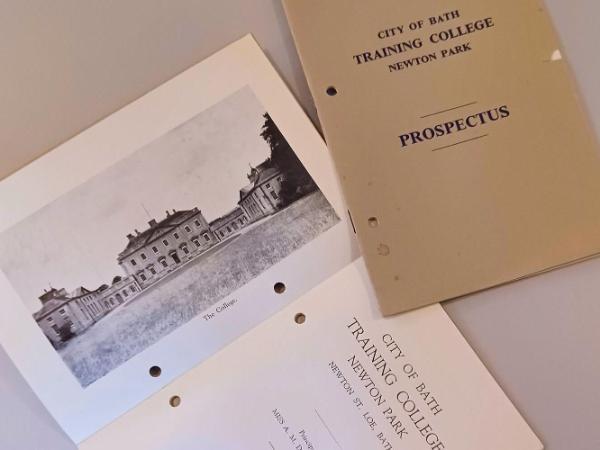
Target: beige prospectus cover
x,y
465,157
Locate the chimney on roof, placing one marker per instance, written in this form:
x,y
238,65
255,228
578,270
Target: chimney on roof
x,y
173,210
137,232
152,223
168,213
130,236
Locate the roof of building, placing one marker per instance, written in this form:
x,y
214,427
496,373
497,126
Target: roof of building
x,y
246,189
52,293
266,175
61,298
234,213
258,176
265,164
79,292
51,300
156,230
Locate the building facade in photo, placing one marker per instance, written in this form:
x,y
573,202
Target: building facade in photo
x,y
122,289
230,223
64,315
262,196
157,251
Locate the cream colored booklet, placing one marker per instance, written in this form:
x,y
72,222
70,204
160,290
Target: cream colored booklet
x,y
330,373
134,256
464,153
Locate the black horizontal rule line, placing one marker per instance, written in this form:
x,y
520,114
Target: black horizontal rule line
x,y
449,109
461,142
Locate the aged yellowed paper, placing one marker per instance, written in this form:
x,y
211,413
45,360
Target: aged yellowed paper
x,y
463,151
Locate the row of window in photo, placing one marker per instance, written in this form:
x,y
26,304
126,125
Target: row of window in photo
x,y
66,319
91,305
163,262
63,314
120,296
253,208
94,308
165,242
272,190
233,226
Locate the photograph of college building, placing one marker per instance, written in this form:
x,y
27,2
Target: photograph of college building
x,y
157,251
66,314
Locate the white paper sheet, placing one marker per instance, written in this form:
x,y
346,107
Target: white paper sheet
x,y
344,379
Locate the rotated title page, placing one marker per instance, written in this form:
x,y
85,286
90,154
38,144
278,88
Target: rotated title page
x,y
463,151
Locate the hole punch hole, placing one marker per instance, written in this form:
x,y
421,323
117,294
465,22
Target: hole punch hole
x,y
373,222
155,371
175,401
331,91
300,318
279,287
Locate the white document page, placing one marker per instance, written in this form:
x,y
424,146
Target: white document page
x,y
343,378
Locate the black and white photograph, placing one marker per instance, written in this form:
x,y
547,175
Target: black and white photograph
x,y
124,259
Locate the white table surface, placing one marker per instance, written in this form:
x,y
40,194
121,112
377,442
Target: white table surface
x,y
67,63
